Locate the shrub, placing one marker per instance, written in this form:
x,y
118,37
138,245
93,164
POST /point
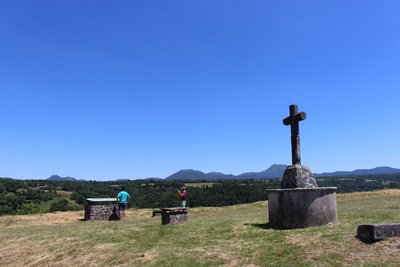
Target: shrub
x,y
61,205
28,208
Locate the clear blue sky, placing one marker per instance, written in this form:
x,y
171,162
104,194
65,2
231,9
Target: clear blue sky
x,y
135,89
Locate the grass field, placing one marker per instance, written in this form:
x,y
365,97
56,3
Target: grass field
x,y
199,184
228,236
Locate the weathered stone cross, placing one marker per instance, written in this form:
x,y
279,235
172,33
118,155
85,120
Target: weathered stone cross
x,y
293,121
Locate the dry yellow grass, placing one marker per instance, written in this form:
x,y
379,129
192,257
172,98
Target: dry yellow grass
x,y
64,193
227,236
370,194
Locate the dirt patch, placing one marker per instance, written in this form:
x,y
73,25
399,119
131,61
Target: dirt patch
x,y
230,259
302,241
147,257
388,246
359,252
104,247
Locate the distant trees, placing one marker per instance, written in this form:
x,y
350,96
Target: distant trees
x,y
78,197
61,205
227,193
2,188
24,197
28,208
352,183
10,202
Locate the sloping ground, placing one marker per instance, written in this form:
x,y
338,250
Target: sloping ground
x,y
228,236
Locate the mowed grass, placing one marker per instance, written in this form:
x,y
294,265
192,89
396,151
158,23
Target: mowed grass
x,y
228,236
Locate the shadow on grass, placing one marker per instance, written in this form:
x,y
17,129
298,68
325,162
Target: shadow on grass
x,y
265,226
367,240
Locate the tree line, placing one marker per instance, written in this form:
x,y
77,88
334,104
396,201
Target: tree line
x,y
34,196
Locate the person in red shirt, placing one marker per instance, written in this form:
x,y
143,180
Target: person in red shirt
x,y
182,197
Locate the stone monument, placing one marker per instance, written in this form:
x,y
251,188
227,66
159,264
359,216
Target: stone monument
x,y
300,202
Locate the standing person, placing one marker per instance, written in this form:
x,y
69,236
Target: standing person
x,y
182,197
122,199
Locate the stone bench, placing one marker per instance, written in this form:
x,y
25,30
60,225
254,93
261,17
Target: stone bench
x,y
375,232
173,215
156,213
101,209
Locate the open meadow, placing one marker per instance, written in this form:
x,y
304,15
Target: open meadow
x,y
228,236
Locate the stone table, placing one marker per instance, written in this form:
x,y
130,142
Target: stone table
x,y
101,209
174,215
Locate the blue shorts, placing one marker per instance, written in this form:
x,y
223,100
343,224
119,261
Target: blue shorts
x,y
121,206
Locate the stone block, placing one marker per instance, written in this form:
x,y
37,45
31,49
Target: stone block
x,y
375,232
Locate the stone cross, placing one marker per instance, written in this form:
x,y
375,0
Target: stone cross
x,y
293,121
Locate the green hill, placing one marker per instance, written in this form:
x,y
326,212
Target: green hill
x,y
228,236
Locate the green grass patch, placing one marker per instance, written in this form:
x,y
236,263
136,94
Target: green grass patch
x,y
228,236
199,184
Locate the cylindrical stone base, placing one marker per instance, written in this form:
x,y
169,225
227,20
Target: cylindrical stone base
x,y
302,207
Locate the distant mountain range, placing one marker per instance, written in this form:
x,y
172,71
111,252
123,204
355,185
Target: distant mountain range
x,y
190,174
377,170
275,171
59,178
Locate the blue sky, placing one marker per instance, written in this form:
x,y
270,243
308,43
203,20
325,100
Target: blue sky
x,y
135,89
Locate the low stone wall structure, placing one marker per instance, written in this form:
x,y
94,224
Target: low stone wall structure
x,y
302,207
174,215
101,209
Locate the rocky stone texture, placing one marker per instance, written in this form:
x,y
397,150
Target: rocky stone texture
x,y
174,215
300,202
375,232
298,176
302,207
101,212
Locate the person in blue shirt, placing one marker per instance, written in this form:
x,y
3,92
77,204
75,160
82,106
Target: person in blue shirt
x,y
122,199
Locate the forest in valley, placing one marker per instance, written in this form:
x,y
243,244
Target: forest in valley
x,y
41,196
